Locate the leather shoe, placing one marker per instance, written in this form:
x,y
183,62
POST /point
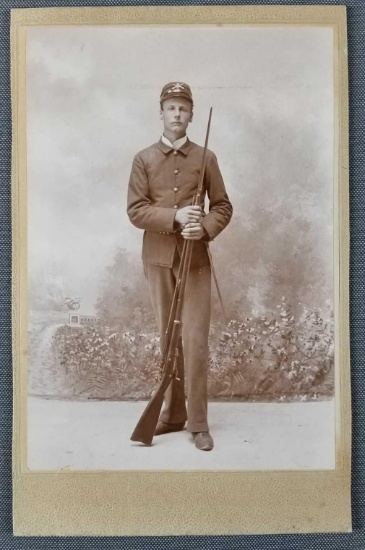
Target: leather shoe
x,y
164,428
203,441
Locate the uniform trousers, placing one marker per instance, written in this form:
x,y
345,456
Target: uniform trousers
x,y
193,346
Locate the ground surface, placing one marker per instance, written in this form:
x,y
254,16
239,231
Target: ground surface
x,y
95,436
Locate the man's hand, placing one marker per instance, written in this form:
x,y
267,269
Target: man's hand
x,y
193,231
188,214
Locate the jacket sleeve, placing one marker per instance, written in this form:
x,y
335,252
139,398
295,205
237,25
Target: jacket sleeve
x,y
220,207
139,209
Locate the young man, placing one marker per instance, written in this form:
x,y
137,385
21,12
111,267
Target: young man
x,y
163,181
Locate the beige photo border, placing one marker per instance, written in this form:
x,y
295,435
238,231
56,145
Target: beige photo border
x,y
176,502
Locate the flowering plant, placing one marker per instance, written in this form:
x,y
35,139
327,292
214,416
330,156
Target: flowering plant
x,y
272,357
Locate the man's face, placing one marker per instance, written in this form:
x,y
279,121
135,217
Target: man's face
x,y
176,114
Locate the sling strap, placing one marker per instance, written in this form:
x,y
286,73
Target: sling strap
x,y
215,279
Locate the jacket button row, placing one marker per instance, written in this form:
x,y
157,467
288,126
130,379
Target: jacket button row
x,y
164,233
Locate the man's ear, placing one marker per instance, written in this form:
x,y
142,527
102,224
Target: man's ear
x,y
161,113
191,116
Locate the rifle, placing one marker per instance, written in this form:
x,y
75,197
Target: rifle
x,y
146,425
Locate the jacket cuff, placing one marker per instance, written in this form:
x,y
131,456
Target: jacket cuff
x,y
166,221
206,237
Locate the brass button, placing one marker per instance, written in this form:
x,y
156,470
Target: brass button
x,y
175,205
175,153
176,171
176,189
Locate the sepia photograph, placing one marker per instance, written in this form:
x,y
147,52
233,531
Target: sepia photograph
x,y
180,274
180,231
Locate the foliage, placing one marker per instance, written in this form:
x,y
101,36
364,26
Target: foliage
x,y
269,357
275,356
100,363
270,251
124,302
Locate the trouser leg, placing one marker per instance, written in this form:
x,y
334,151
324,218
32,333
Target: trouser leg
x,y
195,332
161,281
193,354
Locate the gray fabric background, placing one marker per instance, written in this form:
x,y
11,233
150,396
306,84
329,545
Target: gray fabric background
x,y
355,540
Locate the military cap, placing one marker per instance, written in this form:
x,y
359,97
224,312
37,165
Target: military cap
x,y
176,89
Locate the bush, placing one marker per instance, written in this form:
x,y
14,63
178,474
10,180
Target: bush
x,y
270,357
100,363
274,356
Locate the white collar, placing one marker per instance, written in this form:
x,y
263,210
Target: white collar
x,y
177,144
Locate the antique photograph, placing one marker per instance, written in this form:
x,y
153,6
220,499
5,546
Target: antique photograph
x,y
180,274
181,251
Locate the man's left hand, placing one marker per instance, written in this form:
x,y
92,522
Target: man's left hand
x,y
192,231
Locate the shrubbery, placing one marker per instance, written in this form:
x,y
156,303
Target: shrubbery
x,y
100,363
271,357
275,356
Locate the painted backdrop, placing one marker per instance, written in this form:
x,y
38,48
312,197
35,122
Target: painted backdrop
x,y
92,103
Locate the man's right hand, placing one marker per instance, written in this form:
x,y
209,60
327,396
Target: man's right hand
x,y
188,214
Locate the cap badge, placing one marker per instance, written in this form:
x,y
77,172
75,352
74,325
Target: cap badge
x,y
177,87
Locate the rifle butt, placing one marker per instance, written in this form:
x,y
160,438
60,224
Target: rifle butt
x,y
145,428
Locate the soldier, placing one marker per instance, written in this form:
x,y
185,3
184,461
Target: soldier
x,y
163,181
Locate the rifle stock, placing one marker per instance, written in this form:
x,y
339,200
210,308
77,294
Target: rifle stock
x,y
145,428
146,425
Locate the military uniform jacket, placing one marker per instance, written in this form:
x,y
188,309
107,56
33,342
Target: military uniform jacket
x,y
162,180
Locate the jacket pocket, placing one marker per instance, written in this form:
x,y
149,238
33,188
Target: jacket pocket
x,y
158,248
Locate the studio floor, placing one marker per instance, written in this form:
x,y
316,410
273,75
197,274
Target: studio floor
x,y
74,435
